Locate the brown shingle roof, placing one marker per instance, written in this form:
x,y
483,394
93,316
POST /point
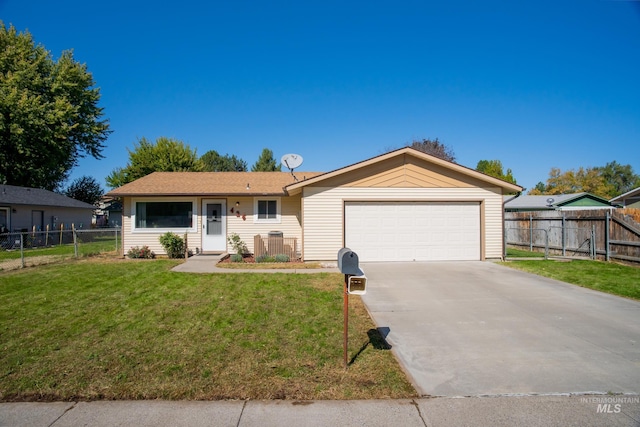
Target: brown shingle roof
x,y
210,184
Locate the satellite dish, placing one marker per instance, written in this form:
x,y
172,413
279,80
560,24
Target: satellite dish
x,y
291,161
550,201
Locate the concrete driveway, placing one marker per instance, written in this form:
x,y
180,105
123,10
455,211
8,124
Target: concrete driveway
x,y
479,328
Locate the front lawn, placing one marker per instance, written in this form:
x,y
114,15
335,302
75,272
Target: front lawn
x,y
132,329
97,245
616,279
520,253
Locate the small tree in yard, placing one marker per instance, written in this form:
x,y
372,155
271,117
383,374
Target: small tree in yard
x,y
239,246
173,245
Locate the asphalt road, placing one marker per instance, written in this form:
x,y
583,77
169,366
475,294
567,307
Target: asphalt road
x,y
482,329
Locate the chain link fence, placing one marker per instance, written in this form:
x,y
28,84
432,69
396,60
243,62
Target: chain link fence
x,y
24,249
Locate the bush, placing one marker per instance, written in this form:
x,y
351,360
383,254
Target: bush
x,y
236,258
265,258
282,258
143,252
238,245
173,245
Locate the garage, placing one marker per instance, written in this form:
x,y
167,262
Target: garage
x,y
413,231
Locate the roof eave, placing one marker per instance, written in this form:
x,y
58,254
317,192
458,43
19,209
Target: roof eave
x,y
252,194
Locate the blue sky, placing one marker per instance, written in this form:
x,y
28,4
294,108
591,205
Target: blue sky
x,y
533,84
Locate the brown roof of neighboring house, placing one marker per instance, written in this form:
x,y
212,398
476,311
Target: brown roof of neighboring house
x,y
210,184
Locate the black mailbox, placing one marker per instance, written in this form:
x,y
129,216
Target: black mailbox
x,y
348,262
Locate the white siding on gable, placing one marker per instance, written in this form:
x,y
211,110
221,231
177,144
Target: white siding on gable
x,y
324,214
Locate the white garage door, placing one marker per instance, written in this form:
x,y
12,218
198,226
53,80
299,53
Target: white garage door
x,y
413,231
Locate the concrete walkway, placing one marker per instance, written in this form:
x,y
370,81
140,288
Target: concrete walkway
x,y
207,264
547,411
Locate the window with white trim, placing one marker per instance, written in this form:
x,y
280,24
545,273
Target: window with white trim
x,y
157,215
266,210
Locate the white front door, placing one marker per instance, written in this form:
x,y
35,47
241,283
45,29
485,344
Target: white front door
x,y
214,225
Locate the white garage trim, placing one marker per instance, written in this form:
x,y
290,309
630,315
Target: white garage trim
x,y
413,231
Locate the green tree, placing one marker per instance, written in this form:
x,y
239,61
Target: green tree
x,y
619,178
266,162
435,148
214,162
579,180
85,189
166,155
49,114
494,168
538,189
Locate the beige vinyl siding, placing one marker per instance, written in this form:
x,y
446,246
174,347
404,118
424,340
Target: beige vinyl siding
x,y
324,214
246,229
289,219
149,237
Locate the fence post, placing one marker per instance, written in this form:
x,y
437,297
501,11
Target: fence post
x,y
21,250
530,233
46,238
593,242
564,235
186,247
546,244
607,222
75,240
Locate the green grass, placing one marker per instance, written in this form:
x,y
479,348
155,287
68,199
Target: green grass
x,y
100,244
135,330
616,279
519,253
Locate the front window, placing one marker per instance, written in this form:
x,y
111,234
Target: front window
x,y
267,210
164,215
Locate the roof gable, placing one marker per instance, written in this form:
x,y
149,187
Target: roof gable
x,y
404,168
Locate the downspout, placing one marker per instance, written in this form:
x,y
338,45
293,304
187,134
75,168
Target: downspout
x,y
504,234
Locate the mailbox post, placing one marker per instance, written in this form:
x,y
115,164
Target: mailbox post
x,y
354,283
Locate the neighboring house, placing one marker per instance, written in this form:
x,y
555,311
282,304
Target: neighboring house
x,y
555,202
630,199
108,213
400,206
23,208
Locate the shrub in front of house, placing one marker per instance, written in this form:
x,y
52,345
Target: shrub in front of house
x,y
140,253
236,258
238,245
173,245
265,258
282,258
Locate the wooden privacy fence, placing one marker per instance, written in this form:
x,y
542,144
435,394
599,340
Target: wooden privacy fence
x,y
273,245
600,234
